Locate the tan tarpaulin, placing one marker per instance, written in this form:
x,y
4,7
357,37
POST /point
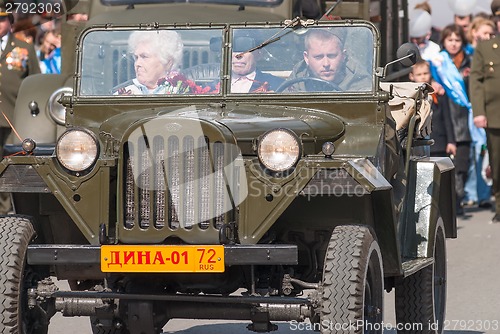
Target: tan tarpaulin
x,y
403,106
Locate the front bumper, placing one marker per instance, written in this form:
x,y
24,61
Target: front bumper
x,y
233,254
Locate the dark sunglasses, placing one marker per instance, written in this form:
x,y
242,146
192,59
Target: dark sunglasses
x,y
3,18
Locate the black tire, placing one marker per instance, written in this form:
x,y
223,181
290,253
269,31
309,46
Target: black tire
x,y
421,297
353,283
16,277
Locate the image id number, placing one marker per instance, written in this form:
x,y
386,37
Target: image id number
x,y
33,8
471,325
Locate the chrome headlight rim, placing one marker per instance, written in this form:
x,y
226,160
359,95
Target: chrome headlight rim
x,y
56,110
91,158
288,167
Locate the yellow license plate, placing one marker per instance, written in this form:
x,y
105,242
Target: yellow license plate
x,y
162,259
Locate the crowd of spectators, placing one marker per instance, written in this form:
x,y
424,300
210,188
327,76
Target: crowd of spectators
x,y
44,33
28,45
45,37
447,59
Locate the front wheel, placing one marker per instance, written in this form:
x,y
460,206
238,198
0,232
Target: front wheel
x,y
16,277
353,283
421,297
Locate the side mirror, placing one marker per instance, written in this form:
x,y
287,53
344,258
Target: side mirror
x,y
408,54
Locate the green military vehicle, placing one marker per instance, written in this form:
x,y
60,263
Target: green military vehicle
x,y
300,200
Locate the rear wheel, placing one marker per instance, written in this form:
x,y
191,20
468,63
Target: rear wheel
x,y
421,297
353,282
16,277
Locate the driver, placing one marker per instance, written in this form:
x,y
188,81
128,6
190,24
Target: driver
x,y
325,59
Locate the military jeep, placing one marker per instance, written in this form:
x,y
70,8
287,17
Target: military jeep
x,y
299,203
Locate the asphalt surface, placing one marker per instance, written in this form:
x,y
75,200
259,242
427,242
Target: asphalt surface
x,y
473,303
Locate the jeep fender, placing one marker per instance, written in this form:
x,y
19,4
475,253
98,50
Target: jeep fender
x,y
430,196
37,124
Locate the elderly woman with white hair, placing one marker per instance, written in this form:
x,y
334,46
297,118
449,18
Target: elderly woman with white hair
x,y
157,55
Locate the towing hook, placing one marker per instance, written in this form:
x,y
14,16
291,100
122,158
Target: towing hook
x,y
227,234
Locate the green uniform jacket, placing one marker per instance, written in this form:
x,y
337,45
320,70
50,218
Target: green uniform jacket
x,y
17,61
484,84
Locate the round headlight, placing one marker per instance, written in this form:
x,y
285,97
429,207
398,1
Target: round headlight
x,y
56,110
77,150
279,150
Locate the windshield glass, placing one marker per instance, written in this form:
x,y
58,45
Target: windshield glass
x,y
267,60
316,59
148,62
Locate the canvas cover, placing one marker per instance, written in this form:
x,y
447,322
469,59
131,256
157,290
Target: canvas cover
x,y
402,107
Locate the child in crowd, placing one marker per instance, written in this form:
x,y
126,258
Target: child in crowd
x,y
442,126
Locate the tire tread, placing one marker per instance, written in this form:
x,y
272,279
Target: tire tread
x,y
15,235
343,274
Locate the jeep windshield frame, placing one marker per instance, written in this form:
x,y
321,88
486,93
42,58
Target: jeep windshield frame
x,y
214,58
256,3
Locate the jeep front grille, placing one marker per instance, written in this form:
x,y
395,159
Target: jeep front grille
x,y
178,182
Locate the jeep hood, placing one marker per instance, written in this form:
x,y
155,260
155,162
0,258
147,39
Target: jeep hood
x,y
245,124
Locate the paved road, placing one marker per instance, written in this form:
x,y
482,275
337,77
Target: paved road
x,y
473,304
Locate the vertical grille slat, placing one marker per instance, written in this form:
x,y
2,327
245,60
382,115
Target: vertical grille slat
x,y
160,194
189,179
234,180
129,189
179,182
173,177
219,187
205,170
145,185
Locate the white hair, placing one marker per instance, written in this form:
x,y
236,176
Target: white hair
x,y
167,44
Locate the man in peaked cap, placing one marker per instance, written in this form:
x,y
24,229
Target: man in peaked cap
x,y
245,76
17,61
485,98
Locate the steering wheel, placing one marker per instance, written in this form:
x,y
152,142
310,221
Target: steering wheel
x,y
328,84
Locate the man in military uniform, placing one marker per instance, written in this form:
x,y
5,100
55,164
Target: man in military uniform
x,y
485,99
17,61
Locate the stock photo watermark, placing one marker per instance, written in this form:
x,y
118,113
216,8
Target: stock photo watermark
x,y
462,325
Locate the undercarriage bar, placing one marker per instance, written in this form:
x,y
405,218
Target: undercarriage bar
x,y
183,298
